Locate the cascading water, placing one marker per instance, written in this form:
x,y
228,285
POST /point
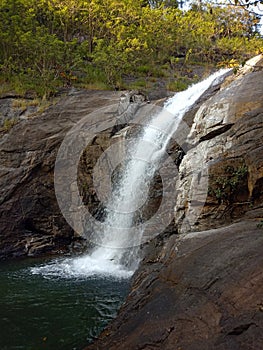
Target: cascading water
x,y
117,254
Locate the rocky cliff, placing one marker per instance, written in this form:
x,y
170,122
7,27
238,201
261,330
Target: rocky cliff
x,y
31,223
203,289
199,289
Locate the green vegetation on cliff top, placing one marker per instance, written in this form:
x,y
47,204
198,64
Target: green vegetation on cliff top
x,y
48,44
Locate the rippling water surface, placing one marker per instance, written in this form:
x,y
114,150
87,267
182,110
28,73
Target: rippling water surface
x,y
42,311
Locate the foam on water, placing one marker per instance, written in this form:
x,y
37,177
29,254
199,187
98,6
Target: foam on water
x,y
82,267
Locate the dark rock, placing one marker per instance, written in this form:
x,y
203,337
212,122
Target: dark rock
x,y
30,220
158,91
203,290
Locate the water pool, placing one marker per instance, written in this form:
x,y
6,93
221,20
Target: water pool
x,y
52,312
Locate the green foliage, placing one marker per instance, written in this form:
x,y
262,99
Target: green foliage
x,y
139,84
224,187
179,84
8,124
164,3
46,44
144,69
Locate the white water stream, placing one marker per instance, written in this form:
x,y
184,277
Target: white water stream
x,y
117,254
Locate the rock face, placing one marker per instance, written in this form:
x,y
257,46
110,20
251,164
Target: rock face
x,y
203,289
225,141
205,292
30,220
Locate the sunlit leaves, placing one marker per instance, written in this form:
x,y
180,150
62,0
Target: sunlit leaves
x,y
50,39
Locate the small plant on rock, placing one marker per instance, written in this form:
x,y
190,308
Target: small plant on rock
x,y
223,187
8,124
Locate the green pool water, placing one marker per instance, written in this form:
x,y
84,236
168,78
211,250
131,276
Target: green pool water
x,y
52,312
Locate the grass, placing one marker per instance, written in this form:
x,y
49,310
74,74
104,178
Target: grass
x,y
138,84
93,86
8,124
177,85
40,104
21,103
176,75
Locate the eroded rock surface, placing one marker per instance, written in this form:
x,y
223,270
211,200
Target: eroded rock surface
x,y
226,153
30,220
204,292
203,289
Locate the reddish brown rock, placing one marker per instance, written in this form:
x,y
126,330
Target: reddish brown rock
x,y
204,290
30,220
205,293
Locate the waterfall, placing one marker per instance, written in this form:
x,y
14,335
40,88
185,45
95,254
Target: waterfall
x,y
117,253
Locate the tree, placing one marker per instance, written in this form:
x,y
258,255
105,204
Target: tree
x,y
47,43
164,3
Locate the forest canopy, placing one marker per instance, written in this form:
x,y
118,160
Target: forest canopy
x,y
46,44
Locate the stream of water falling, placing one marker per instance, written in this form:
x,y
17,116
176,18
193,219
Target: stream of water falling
x,y
117,254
